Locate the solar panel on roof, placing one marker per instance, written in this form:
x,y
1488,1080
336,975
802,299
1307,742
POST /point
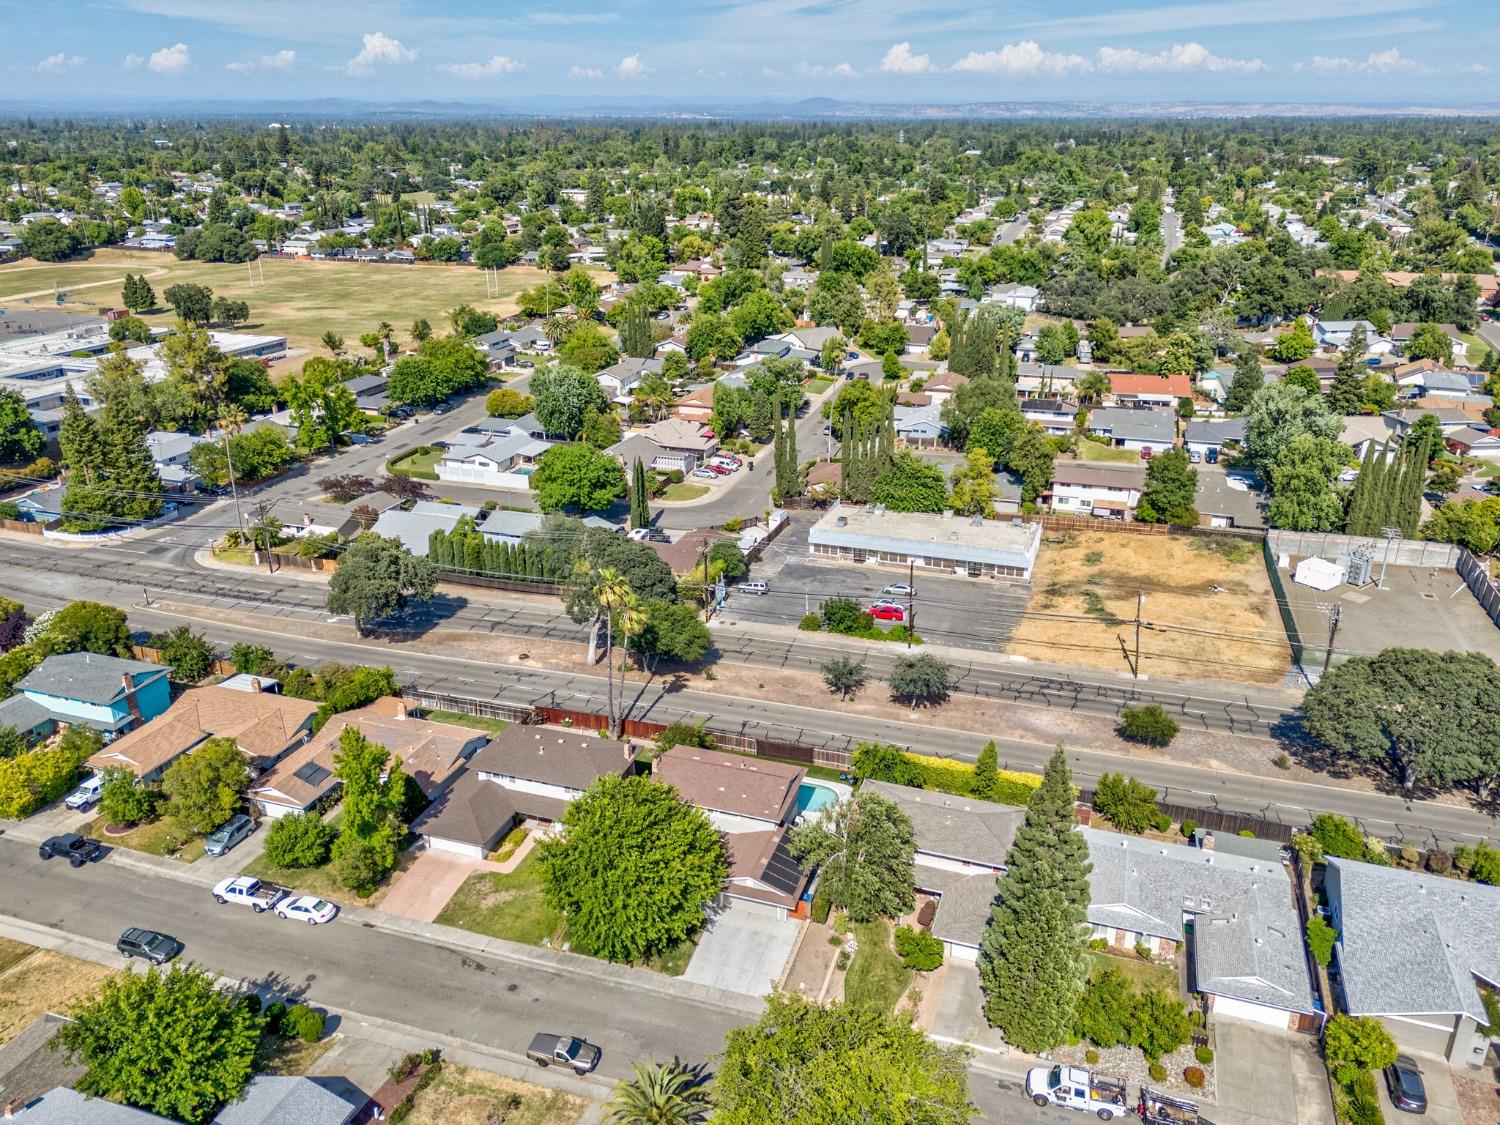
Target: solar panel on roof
x,y
313,774
783,872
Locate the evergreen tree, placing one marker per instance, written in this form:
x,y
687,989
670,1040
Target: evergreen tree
x,y
1347,393
987,772
1407,507
640,510
635,331
788,470
136,492
1357,521
1033,958
1248,379
81,442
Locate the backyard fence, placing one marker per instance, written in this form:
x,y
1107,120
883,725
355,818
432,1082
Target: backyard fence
x,y
1403,552
1476,575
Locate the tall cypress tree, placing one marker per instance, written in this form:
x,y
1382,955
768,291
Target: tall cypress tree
x,y
1033,960
1358,518
640,510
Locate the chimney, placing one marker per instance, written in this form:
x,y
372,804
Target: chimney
x,y
1208,841
129,685
255,683
13,1108
401,709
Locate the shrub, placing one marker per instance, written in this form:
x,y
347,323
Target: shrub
x,y
275,1013
361,865
299,840
1410,855
1128,804
1204,1055
1187,828
1148,724
1194,1077
303,1023
841,962
1091,1057
683,733
1143,951
1158,1023
124,801
1098,944
1339,837
734,523
810,623
1484,863
1161,822
1282,761
1439,862
820,906
1362,1041
918,949
1157,1072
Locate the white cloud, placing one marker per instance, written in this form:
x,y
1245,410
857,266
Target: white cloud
x,y
281,60
379,49
1378,62
133,62
840,70
497,66
592,73
632,68
1022,60
53,64
900,60
1177,58
170,60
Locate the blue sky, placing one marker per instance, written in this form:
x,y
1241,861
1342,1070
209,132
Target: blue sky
x,y
1370,51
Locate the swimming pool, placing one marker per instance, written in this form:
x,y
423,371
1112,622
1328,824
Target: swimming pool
x,y
813,798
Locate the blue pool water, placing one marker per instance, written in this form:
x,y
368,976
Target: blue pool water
x,y
813,798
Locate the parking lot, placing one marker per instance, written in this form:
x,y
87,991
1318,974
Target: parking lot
x,y
977,613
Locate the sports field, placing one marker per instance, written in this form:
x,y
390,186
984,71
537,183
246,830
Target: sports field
x,y
1208,608
299,299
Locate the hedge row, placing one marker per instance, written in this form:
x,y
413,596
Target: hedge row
x,y
949,776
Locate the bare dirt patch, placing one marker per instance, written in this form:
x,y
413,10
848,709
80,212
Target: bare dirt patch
x,y
1478,1099
43,982
1208,603
465,1096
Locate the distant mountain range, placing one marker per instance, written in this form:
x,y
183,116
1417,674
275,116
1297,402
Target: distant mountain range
x,y
647,107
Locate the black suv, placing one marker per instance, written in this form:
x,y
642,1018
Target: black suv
x,y
158,948
76,849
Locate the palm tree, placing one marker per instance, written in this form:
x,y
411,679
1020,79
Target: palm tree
x,y
231,421
1092,387
554,329
622,612
659,1094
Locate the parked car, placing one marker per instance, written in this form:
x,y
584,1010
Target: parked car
x,y
565,1050
1073,1087
899,590
705,474
756,587
442,408
1194,456
154,946
87,794
718,470
227,835
249,891
1403,1081
1145,453
307,908
888,611
728,460
76,849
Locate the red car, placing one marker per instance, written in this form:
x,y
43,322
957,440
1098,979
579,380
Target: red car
x,y
720,470
888,611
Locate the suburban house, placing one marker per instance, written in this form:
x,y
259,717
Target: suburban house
x,y
687,551
1413,950
1128,428
1149,390
110,694
690,439
315,517
919,425
1435,381
619,380
1056,416
750,801
1013,295
1206,436
1450,418
531,339
809,339
1401,334
497,347
1474,441
499,462
266,1100
961,847
524,774
1336,333
696,406
1045,379
369,392
638,447
919,338
940,387
431,754
415,527
264,726
1083,488
974,546
1228,902
169,453
1363,430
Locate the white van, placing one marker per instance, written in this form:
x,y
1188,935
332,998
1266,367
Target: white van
x,y
761,588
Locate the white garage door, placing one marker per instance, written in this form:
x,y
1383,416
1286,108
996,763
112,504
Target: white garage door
x,y
472,851
1231,1008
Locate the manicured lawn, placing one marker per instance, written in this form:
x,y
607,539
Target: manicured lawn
x,y
239,556
164,837
304,880
683,491
459,719
1093,451
818,384
1478,349
877,978
504,906
1143,974
417,461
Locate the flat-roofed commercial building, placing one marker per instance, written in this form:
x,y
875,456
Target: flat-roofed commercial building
x,y
977,547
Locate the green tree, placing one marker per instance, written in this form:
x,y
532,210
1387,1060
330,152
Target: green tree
x,y
1148,723
658,1094
600,430
190,657
374,789
169,1041
635,330
1128,804
864,847
507,402
974,484
1031,460
1301,479
85,627
845,675
563,395
1171,488
1429,342
124,800
634,869
1249,378
587,348
205,787
1104,1009
1296,343
48,240
911,485
1281,413
804,1064
191,303
378,577
577,476
673,632
20,440
987,772
1427,717
1320,939
1033,959
920,679
640,494
299,840
1158,1023
1359,1041
1347,394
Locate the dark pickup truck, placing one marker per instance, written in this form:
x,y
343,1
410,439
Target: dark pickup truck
x,y
76,849
564,1050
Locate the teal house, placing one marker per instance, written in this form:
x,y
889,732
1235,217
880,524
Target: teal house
x,y
104,692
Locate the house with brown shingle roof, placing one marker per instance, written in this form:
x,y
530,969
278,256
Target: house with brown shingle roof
x,y
431,754
263,725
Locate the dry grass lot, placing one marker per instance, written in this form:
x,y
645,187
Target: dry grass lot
x,y
300,299
1084,598
41,981
464,1096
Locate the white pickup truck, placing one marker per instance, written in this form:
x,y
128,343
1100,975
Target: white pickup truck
x,y
251,892
1073,1087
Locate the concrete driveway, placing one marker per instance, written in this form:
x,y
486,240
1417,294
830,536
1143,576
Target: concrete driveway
x,y
1442,1098
425,887
1247,1054
742,952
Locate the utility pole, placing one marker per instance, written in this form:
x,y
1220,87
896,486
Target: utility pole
x,y
911,599
1334,611
1140,600
1391,535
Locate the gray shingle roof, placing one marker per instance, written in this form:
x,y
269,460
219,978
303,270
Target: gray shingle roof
x,y
275,1100
87,676
1413,943
1246,930
1216,429
549,756
964,909
22,714
1137,425
65,1106
961,828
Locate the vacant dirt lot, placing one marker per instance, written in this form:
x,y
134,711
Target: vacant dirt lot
x,y
464,1096
299,299
1207,601
43,981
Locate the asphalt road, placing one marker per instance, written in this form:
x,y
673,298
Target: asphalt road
x,y
1013,230
1171,233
